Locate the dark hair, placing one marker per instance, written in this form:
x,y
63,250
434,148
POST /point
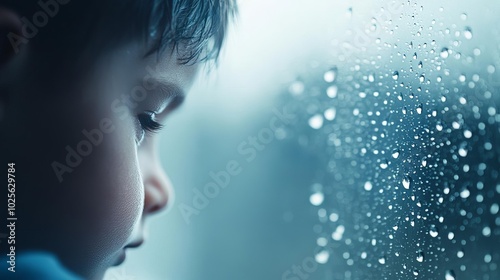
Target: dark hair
x,y
199,26
193,23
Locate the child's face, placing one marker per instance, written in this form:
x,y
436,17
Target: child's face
x,y
91,205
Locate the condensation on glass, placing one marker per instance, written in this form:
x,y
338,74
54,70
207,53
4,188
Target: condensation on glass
x,y
405,119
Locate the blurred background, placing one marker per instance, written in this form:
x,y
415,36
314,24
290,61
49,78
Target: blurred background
x,y
386,168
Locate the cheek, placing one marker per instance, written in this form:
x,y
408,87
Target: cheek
x,y
118,183
108,194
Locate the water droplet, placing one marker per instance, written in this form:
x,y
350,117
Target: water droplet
x,y
317,198
462,152
468,33
337,234
406,182
381,260
451,235
322,241
421,78
491,69
494,208
487,258
349,12
395,75
420,256
316,121
486,231
395,154
465,193
368,186
330,75
460,254
415,272
450,275
330,114
296,88
433,231
419,109
463,16
332,91
334,217
384,164
322,257
420,65
444,53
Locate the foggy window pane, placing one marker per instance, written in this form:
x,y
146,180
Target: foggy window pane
x,y
404,117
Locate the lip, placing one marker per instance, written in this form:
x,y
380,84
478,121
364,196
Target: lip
x,y
123,254
120,259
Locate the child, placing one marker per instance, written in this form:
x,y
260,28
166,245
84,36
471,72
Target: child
x,y
83,87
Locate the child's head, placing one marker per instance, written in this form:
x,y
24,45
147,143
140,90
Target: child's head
x,y
83,87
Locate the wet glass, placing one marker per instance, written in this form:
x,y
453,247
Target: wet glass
x,y
404,117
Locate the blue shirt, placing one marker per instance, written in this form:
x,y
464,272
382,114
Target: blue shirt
x,y
35,266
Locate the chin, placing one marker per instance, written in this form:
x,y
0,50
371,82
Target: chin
x,y
99,270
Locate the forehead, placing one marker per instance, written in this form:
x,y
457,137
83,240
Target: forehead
x,y
130,62
166,68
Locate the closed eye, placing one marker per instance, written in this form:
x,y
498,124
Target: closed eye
x,y
148,122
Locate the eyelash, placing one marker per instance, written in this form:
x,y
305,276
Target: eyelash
x,y
148,123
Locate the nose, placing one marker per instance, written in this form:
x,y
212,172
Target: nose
x,y
158,189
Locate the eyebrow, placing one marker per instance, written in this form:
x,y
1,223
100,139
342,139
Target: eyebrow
x,y
176,103
173,91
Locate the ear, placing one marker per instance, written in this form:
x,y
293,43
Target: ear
x,y
10,35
